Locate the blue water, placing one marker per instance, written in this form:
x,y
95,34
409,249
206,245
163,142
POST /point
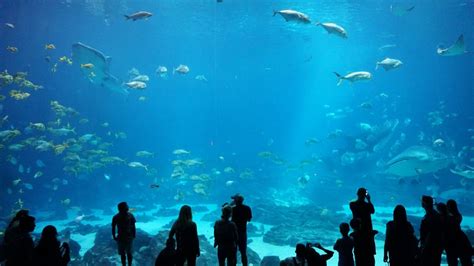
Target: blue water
x,y
270,88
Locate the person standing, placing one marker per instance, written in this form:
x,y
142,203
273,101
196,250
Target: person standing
x,y
344,246
226,238
400,247
362,209
186,237
430,234
20,246
458,246
124,222
241,215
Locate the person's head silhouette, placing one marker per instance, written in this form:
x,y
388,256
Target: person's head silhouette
x,y
344,229
238,199
361,193
226,212
400,214
427,202
452,207
122,207
300,250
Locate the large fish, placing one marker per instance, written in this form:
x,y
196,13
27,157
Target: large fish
x,y
458,48
417,160
292,15
333,28
353,77
83,54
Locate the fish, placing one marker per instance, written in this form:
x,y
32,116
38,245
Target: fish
x,y
10,25
66,202
389,64
154,186
83,54
201,78
49,46
16,182
333,28
138,165
181,152
138,85
38,174
353,77
386,46
40,164
144,154
12,49
139,15
87,66
162,71
28,186
107,177
229,183
467,173
399,10
21,169
181,69
458,48
461,195
142,78
292,15
417,160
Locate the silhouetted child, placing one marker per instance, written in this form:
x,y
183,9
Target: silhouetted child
x,y
316,259
344,246
363,252
124,221
226,238
167,256
49,251
299,259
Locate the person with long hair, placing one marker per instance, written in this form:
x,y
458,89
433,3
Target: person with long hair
x,y
226,238
458,246
49,251
186,237
400,247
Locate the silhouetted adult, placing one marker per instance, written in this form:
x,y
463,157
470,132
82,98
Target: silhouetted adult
x,y
316,259
344,246
20,247
226,238
241,215
400,241
49,251
167,256
430,234
299,259
186,237
12,230
362,209
124,222
363,253
458,246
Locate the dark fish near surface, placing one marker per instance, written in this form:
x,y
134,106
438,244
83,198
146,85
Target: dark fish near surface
x,y
139,15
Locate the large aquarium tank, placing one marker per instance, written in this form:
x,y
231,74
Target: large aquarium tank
x,y
292,104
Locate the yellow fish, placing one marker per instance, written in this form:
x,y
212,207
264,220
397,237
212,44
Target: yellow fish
x,y
64,59
88,66
49,46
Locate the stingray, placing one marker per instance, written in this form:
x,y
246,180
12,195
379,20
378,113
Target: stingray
x,y
458,48
417,160
99,74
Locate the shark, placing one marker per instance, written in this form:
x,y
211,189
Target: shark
x,y
458,48
417,160
99,74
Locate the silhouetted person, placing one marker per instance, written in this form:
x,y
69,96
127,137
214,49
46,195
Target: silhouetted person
x,y
430,234
186,237
226,238
458,246
49,251
400,247
241,215
20,246
316,259
167,256
362,209
363,251
124,221
299,259
344,246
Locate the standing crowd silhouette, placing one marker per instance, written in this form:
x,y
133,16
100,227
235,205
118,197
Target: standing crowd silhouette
x,y
440,230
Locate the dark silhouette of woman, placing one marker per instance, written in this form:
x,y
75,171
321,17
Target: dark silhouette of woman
x,y
458,246
49,251
186,237
400,241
